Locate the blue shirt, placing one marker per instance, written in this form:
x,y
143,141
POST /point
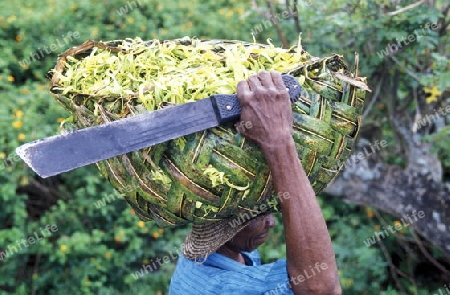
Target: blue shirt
x,y
220,275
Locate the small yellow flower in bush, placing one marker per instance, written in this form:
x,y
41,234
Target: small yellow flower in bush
x,y
377,227
17,124
18,38
161,230
397,223
63,248
434,93
19,114
141,223
108,255
21,136
369,213
155,234
11,78
2,155
347,282
60,120
11,18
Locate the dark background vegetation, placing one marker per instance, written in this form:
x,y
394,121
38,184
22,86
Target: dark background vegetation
x,y
96,250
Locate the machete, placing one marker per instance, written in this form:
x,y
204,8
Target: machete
x,y
62,153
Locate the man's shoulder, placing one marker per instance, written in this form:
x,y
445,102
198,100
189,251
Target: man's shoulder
x,y
217,274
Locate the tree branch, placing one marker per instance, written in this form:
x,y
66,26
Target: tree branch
x,y
276,24
401,191
296,16
405,8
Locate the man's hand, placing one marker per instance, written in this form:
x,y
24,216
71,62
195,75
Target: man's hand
x,y
265,103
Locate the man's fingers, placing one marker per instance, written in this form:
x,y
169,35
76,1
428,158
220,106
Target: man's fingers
x,y
277,80
243,91
243,86
266,79
254,82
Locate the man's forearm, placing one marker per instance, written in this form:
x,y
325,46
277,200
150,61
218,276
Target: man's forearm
x,y
310,256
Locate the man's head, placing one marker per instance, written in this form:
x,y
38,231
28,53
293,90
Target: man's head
x,y
207,238
253,235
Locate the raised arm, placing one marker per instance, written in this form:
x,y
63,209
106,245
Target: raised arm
x,y
310,257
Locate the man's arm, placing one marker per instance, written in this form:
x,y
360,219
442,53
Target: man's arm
x,y
310,257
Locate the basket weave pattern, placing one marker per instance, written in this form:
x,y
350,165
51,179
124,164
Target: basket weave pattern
x,y
326,123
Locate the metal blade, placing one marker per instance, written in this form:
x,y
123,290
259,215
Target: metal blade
x,y
62,153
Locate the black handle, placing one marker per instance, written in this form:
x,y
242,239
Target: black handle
x,y
228,108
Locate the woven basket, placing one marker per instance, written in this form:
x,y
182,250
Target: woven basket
x,y
326,122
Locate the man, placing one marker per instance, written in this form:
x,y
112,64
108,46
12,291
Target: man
x,y
219,259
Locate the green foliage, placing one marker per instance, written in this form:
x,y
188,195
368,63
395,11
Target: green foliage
x,y
97,249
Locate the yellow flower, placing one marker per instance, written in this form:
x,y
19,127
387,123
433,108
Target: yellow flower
x,y
397,223
434,94
108,255
11,18
60,120
17,124
155,234
94,32
11,78
19,38
347,282
369,213
2,155
229,14
24,91
161,230
141,223
377,227
19,114
63,248
21,136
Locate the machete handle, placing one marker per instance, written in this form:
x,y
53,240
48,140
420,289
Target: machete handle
x,y
228,108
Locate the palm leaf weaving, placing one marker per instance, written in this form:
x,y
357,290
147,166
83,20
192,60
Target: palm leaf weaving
x,y
216,173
